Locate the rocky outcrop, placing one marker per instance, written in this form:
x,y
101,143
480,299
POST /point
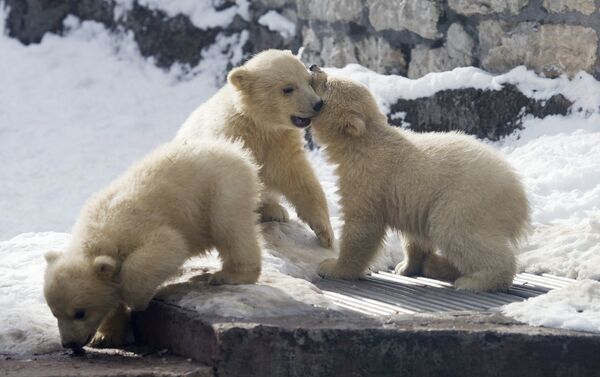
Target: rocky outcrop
x,y
487,114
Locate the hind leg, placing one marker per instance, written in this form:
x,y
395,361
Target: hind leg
x,y
415,254
486,264
439,267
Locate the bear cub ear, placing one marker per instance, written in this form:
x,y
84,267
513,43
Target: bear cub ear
x,y
353,125
52,256
241,79
106,267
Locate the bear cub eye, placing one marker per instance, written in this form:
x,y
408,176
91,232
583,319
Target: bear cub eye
x,y
80,314
288,89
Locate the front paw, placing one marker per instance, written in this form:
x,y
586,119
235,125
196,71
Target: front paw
x,y
407,269
234,277
273,212
329,268
108,339
324,234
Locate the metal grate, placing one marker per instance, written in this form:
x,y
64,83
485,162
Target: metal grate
x,y
385,293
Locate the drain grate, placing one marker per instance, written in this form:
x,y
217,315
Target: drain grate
x,y
385,293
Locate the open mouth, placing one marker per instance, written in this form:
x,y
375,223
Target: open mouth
x,y
300,122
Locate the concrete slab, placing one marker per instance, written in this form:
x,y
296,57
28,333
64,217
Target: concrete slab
x,y
336,343
103,363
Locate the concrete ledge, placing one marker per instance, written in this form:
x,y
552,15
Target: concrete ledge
x,y
345,344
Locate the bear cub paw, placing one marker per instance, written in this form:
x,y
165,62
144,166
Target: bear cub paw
x,y
273,212
330,269
408,269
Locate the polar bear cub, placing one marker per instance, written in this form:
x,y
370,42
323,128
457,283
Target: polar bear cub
x,y
460,207
266,104
179,201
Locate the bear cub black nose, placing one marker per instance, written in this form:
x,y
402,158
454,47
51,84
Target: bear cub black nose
x,y
317,106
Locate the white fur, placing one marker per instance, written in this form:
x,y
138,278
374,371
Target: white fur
x,y
181,200
253,108
459,205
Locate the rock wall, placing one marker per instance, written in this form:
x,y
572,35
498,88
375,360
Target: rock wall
x,y
414,37
407,37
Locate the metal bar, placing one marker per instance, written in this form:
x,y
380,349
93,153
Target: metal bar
x,y
359,304
424,299
437,295
416,307
499,297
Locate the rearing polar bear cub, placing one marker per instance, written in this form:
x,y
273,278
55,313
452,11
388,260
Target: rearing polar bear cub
x,y
443,191
266,103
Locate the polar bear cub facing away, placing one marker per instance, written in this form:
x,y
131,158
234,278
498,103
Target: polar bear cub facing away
x,y
179,201
445,192
266,104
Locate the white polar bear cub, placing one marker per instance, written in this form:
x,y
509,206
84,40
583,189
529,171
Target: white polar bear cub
x,y
445,192
266,104
179,201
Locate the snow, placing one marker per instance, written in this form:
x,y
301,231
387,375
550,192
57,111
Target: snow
x,y
277,22
202,13
79,109
574,307
26,324
583,90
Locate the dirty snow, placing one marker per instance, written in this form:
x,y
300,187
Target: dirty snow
x,y
77,110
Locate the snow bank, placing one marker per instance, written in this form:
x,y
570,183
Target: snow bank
x,y
75,112
583,90
575,307
26,323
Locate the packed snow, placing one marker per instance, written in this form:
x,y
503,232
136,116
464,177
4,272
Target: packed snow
x,y
574,307
76,110
277,22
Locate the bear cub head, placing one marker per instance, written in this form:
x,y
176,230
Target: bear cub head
x,y
350,112
275,91
80,292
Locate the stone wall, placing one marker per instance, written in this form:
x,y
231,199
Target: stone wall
x,y
414,37
407,37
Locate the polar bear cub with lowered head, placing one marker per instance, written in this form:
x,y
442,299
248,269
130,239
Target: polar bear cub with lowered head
x,y
460,207
180,201
266,104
